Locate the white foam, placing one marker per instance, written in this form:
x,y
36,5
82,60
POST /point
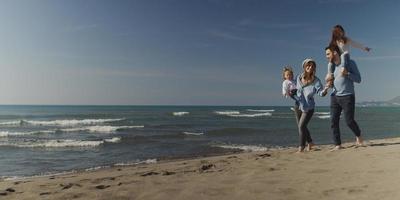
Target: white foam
x,y
16,122
193,133
113,140
70,122
50,174
322,113
55,144
46,131
251,115
8,134
233,113
96,168
148,161
244,147
99,129
47,174
251,110
180,113
324,117
227,112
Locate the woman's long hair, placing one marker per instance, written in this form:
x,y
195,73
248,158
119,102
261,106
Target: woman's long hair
x,y
338,34
309,77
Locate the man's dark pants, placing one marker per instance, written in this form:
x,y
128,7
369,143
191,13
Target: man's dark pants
x,y
347,104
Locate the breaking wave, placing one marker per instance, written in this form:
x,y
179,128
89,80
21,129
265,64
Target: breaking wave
x,y
8,134
113,140
244,147
193,133
238,114
180,113
148,161
251,110
70,122
59,143
251,115
54,143
324,116
15,122
99,129
322,113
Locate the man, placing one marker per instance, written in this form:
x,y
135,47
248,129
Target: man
x,y
343,95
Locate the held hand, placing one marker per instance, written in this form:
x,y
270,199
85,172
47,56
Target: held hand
x,y
325,90
344,72
329,84
329,77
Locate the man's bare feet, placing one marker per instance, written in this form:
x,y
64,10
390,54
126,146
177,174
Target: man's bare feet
x,y
337,147
359,141
310,146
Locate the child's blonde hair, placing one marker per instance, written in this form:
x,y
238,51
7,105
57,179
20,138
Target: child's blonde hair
x,y
287,69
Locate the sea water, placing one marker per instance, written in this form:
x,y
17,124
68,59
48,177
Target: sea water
x,y
40,140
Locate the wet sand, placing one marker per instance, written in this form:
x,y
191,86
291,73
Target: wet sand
x,y
369,172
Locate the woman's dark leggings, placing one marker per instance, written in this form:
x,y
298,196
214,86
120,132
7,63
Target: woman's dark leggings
x,y
302,119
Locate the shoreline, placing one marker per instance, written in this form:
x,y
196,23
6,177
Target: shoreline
x,y
368,172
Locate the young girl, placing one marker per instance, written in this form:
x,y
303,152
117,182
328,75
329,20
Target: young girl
x,y
288,85
343,42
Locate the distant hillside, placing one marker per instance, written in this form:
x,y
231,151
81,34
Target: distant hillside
x,y
393,102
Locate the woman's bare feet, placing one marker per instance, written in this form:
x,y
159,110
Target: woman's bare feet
x,y
310,146
300,150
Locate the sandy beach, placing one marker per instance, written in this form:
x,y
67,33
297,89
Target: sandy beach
x,y
369,172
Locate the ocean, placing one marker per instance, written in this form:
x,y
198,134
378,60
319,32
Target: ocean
x,y
42,140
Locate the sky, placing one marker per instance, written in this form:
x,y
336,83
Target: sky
x,y
186,52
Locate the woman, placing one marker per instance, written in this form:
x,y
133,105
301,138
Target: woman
x,y
307,85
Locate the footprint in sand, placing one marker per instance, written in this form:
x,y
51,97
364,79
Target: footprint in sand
x,y
349,190
69,185
319,171
354,191
206,167
150,173
376,171
287,190
7,191
101,187
167,173
10,190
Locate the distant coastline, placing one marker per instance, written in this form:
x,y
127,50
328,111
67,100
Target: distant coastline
x,y
391,103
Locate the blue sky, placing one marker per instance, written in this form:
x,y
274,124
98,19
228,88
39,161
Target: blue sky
x,y
185,52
